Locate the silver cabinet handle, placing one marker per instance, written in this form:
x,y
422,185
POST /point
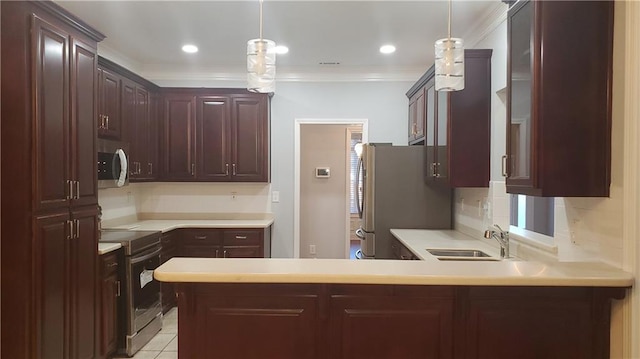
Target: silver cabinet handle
x,y
433,169
216,253
77,228
226,169
193,169
201,237
70,194
234,169
114,264
139,168
224,254
77,189
504,166
241,237
437,170
101,122
150,167
70,228
107,118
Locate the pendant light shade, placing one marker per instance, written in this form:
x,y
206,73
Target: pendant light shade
x,y
261,63
449,62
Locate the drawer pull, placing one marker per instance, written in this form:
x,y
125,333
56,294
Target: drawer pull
x,y
241,237
110,265
201,237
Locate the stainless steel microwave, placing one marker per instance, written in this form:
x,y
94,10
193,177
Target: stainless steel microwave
x,y
113,161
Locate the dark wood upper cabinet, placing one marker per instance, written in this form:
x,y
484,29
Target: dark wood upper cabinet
x,y
178,145
559,99
231,132
417,119
214,148
49,203
109,120
136,103
249,139
458,125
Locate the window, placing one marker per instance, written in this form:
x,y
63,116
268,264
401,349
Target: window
x,y
356,137
532,213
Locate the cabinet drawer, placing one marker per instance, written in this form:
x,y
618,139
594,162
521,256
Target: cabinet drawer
x,y
202,236
242,237
109,263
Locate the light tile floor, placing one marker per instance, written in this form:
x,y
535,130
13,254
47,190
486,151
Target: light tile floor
x,y
165,344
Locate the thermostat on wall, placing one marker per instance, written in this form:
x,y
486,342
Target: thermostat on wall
x,y
323,172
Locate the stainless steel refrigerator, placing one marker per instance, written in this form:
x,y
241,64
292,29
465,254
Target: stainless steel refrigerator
x,y
392,193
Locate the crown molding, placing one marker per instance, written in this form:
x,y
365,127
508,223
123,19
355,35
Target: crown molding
x,y
495,16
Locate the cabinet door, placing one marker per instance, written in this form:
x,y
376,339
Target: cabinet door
x,y
430,134
51,127
214,129
179,137
83,128
202,251
109,120
377,322
416,117
51,257
142,133
441,145
242,252
263,321
128,111
109,295
83,265
249,139
520,165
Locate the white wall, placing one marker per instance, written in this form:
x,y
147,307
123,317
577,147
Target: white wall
x,y
585,228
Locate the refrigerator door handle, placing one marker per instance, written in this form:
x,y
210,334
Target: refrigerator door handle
x,y
360,233
357,189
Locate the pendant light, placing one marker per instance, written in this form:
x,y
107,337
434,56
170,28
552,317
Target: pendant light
x,y
449,62
261,63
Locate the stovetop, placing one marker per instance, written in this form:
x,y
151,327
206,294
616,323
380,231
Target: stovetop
x,y
132,241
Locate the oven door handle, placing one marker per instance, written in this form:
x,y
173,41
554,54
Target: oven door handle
x,y
136,260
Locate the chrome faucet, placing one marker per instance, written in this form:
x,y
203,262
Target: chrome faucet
x,y
502,237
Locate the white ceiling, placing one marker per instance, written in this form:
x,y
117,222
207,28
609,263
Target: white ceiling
x,y
148,35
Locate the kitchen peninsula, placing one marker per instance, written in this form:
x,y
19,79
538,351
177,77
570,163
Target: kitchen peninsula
x,y
332,308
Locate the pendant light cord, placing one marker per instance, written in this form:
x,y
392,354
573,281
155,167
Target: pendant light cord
x,y
261,20
449,18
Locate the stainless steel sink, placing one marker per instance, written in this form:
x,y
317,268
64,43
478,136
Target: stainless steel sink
x,y
462,253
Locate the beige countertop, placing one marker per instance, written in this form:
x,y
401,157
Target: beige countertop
x,y
425,272
104,248
168,225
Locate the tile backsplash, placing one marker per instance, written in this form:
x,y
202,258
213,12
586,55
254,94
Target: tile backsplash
x,y
584,228
146,200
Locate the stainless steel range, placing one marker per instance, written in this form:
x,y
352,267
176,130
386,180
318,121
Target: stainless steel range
x,y
143,310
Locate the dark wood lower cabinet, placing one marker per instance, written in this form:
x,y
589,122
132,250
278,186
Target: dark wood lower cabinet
x,y
110,289
352,321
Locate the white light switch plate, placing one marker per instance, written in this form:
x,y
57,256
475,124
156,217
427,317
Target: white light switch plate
x,y
275,196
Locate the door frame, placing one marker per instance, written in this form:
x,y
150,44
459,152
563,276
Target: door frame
x,y
296,167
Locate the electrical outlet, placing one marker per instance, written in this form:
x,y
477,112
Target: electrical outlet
x,y
275,196
234,195
312,249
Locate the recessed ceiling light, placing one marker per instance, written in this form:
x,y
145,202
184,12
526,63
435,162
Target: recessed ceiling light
x,y
281,49
387,49
190,49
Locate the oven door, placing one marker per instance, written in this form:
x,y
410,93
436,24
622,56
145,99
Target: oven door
x,y
144,298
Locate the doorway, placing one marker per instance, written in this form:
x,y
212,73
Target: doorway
x,y
323,203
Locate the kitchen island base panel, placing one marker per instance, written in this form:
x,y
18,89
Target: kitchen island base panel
x,y
247,320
